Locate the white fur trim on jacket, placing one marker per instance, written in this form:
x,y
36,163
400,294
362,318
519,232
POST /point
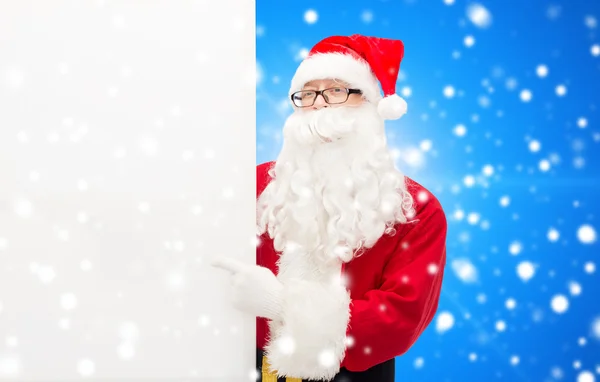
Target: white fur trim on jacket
x,y
338,66
309,342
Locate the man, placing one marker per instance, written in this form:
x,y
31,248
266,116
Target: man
x,y
351,253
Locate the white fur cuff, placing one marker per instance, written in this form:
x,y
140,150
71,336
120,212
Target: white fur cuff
x,y
309,342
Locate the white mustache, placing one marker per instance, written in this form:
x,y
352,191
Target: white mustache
x,y
325,125
314,129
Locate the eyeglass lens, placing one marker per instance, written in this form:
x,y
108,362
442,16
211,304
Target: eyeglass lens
x,y
306,98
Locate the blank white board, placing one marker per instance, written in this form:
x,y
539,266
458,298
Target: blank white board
x,y
127,160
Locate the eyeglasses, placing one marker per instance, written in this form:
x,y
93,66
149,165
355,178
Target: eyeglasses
x,y
307,98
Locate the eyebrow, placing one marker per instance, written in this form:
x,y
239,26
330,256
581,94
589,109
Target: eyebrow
x,y
331,84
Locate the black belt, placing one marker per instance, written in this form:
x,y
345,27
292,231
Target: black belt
x,y
384,372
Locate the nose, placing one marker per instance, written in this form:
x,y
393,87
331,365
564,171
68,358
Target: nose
x,y
320,102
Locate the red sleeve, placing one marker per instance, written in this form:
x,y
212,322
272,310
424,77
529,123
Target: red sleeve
x,y
264,257
389,320
262,177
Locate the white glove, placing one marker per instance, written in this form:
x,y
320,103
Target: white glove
x,y
256,290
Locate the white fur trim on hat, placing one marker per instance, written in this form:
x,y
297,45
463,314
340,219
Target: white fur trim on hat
x,y
392,107
339,66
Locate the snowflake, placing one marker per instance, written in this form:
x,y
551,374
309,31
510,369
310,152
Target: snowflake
x,y
514,360
449,91
460,130
479,15
526,95
525,270
445,321
311,16
126,350
515,248
86,367
541,71
586,376
596,328
464,270
286,345
559,303
553,235
469,41
510,304
586,234
366,17
68,301
575,288
500,325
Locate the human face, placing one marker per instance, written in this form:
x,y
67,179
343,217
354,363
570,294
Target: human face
x,y
334,86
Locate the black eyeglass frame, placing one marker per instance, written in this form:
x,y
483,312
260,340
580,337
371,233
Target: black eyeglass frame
x,y
321,93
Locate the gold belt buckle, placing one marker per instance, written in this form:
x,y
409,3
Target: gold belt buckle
x,y
268,376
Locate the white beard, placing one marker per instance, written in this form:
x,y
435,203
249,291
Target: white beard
x,y
335,189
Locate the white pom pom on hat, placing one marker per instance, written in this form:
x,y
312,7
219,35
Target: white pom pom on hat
x,y
365,63
392,107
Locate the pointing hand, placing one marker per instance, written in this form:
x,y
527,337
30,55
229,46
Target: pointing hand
x,y
255,289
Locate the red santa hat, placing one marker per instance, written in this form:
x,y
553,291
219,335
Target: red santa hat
x,y
364,63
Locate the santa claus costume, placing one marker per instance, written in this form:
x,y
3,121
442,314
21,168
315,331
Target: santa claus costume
x,y
351,253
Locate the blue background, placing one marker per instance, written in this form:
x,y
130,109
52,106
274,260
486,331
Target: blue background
x,y
532,200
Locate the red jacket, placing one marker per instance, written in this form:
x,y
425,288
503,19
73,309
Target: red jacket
x,y
395,285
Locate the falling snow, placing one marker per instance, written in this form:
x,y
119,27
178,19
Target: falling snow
x,y
589,267
553,235
464,270
526,95
311,16
541,71
559,304
68,301
586,376
525,270
532,129
534,146
444,322
510,304
10,366
515,248
575,288
544,165
326,358
590,21
479,15
23,208
500,326
586,234
469,41
367,17
596,328
86,367
460,130
449,91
